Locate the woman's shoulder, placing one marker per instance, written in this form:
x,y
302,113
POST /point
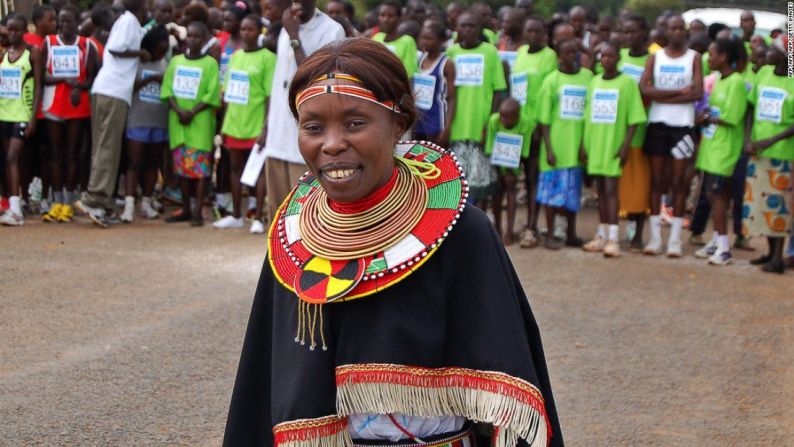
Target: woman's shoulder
x,y
473,227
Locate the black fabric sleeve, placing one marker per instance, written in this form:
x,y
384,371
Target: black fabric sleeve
x,y
249,422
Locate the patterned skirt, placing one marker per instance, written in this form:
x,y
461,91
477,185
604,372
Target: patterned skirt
x,y
767,198
561,188
477,168
191,163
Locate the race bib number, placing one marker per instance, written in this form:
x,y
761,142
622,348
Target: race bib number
x,y
711,129
605,106
65,61
11,83
470,69
770,104
424,88
149,92
186,82
507,150
633,71
239,87
572,102
671,77
509,57
518,87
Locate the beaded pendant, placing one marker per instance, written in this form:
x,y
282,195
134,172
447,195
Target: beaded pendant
x,y
318,281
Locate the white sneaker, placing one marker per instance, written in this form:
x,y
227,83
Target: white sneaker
x,y
147,210
257,227
707,250
129,212
157,206
612,249
654,247
723,257
12,219
229,222
674,248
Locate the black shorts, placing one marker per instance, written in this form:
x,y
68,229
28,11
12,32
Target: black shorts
x,y
715,183
662,140
12,130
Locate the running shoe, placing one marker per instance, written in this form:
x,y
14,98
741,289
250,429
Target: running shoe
x,y
528,239
67,213
722,257
653,248
612,249
596,245
53,214
674,248
172,195
96,215
697,239
257,227
147,210
229,222
12,219
128,215
707,251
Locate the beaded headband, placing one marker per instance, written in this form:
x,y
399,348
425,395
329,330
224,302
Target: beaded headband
x,y
347,90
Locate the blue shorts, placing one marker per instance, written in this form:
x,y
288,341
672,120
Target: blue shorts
x,y
561,188
148,135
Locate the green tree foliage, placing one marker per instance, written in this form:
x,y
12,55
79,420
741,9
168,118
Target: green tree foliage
x,y
653,8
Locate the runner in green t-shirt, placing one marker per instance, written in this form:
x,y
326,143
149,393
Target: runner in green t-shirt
x,y
634,186
613,112
771,129
246,87
533,62
479,76
404,47
507,143
723,135
191,87
561,122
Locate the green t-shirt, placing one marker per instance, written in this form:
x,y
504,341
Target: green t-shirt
x,y
704,59
513,143
249,77
528,72
612,106
192,81
561,107
772,97
721,146
634,67
404,48
478,74
16,88
490,35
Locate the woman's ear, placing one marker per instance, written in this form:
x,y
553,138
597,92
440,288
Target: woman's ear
x,y
400,125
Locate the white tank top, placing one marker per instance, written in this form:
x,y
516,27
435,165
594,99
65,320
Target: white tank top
x,y
672,74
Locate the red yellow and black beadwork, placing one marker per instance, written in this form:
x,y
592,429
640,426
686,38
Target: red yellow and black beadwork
x,y
317,280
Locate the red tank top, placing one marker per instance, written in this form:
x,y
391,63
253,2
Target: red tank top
x,y
66,61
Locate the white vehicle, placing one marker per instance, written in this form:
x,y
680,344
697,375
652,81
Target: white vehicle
x,y
765,21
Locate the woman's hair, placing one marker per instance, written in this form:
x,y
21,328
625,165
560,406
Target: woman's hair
x,y
378,69
18,17
153,38
198,12
733,47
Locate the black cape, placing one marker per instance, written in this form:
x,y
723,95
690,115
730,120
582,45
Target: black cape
x,y
464,308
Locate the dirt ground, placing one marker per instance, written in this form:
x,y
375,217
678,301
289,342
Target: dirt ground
x,y
131,336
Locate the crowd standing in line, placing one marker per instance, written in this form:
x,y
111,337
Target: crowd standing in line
x,y
114,110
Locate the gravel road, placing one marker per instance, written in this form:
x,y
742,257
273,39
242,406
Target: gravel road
x,y
130,337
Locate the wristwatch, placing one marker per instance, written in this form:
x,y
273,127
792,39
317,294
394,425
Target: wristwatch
x,y
295,43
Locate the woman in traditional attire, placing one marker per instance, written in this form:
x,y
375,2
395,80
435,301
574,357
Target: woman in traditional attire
x,y
387,312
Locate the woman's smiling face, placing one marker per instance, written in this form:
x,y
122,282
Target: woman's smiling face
x,y
347,143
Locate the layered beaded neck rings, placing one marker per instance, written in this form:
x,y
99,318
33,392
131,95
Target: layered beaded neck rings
x,y
326,253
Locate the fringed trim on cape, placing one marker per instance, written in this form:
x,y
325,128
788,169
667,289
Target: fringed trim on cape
x,y
329,431
513,406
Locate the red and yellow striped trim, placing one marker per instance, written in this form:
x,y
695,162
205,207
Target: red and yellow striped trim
x,y
347,90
